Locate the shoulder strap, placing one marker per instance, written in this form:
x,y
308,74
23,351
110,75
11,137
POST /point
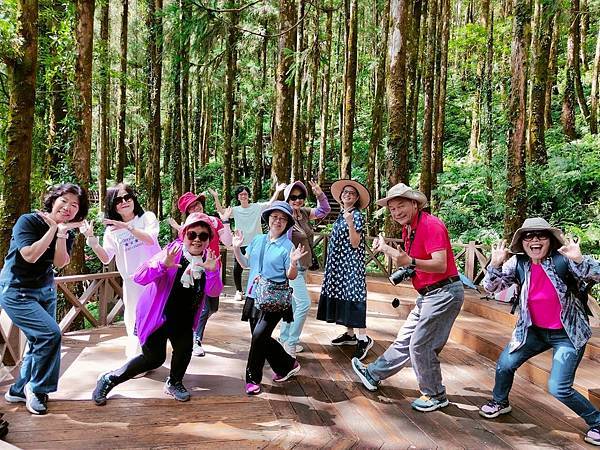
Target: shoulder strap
x,y
561,266
520,269
262,254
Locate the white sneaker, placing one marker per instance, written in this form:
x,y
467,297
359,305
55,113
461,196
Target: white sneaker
x,y
291,350
299,348
238,296
198,350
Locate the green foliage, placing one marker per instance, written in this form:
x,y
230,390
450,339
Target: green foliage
x,y
10,40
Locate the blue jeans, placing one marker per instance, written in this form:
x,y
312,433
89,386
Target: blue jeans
x,y
211,306
290,332
34,312
565,361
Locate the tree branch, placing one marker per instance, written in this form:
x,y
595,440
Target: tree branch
x,y
244,30
229,10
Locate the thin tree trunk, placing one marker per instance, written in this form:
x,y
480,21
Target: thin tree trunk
x,y
185,90
312,97
325,96
583,29
378,106
284,94
121,150
21,73
104,102
175,146
487,89
297,123
552,70
229,114
516,195
440,95
425,185
594,94
568,107
350,93
259,144
413,54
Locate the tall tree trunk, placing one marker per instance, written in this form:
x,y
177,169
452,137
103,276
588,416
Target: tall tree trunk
x,y
568,107
325,95
297,123
413,54
594,94
154,23
228,120
104,102
121,150
259,144
350,92
583,32
378,107
175,145
397,151
540,48
21,73
82,142
440,95
487,89
425,185
552,70
516,195
185,89
576,64
284,94
312,97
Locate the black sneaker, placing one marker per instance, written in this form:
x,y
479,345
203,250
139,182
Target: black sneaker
x,y
177,390
103,387
362,348
34,402
344,339
13,396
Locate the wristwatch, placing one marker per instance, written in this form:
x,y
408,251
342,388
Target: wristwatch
x,y
413,263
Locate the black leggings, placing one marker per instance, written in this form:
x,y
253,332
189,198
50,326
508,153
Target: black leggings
x,y
154,354
264,346
237,271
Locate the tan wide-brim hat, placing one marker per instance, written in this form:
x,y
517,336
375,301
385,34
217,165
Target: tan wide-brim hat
x,y
404,191
534,224
364,196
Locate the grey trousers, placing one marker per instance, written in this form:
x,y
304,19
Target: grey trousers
x,y
422,337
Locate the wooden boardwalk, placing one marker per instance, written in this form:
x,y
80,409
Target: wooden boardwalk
x,y
323,407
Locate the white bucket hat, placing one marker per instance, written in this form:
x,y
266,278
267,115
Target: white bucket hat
x,y
534,224
404,191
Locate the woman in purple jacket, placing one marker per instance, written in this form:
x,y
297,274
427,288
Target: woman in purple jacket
x,y
168,308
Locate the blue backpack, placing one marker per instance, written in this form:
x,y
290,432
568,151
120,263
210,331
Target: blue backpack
x,y
580,289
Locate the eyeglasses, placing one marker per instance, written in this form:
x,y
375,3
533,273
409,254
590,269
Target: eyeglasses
x,y
124,198
278,218
530,235
293,197
192,235
349,191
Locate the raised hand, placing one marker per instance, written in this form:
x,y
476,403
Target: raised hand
x,y
349,217
315,188
171,256
210,263
237,239
379,244
87,228
173,223
46,218
225,214
499,253
571,249
280,187
117,224
64,227
297,254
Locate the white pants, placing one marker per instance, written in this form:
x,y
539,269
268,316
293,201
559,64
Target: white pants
x,y
131,295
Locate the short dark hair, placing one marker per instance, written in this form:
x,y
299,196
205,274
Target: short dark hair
x,y
110,208
241,188
357,203
58,190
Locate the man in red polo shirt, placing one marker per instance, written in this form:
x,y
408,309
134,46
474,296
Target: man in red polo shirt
x,y
427,251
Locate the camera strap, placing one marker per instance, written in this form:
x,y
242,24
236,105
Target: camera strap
x,y
411,237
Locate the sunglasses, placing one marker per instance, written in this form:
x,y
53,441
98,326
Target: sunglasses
x,y
530,235
293,197
124,198
192,235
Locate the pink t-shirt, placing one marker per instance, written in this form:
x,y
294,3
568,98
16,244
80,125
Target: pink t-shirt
x,y
542,300
430,236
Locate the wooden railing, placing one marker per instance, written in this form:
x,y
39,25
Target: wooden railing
x,y
102,290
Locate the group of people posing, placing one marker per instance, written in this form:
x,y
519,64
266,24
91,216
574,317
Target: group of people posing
x,y
170,293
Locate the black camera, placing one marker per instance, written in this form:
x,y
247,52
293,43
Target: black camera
x,y
401,274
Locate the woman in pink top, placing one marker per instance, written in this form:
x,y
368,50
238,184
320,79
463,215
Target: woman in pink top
x,y
546,267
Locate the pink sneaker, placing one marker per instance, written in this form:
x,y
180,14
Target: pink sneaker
x,y
252,389
290,374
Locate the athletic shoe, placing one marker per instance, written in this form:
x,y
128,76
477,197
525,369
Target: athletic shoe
x,y
34,402
13,396
239,296
363,374
345,339
197,350
426,403
177,390
103,387
363,348
493,409
593,436
281,378
252,389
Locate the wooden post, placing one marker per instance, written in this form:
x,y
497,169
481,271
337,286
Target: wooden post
x,y
470,260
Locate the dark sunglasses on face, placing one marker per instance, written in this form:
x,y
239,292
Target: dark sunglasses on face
x,y
293,197
192,235
530,235
124,198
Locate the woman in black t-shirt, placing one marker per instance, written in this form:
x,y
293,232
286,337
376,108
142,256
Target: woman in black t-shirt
x,y
40,242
